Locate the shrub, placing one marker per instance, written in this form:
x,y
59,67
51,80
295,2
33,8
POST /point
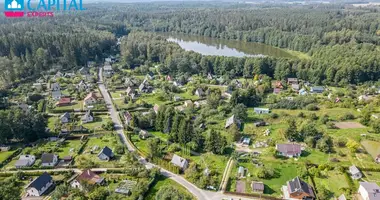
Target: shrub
x,y
347,116
274,115
312,107
265,173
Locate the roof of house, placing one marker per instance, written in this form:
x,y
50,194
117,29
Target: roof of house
x,y
41,181
91,95
66,114
241,170
56,93
317,88
291,149
373,190
231,120
264,109
64,100
292,79
90,177
342,197
106,151
199,91
297,185
127,115
257,186
296,86
47,157
179,161
354,170
107,67
88,114
129,90
22,162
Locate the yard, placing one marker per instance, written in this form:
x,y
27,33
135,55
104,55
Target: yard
x,y
5,154
161,182
372,147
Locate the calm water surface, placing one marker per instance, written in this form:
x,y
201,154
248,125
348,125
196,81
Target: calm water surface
x,y
221,47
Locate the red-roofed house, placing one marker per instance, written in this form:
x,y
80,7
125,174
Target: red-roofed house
x,y
64,101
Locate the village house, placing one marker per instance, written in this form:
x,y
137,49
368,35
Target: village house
x,y
88,177
261,110
144,87
65,118
257,187
317,89
241,172
24,107
56,95
127,118
295,87
55,87
365,98
39,185
277,84
302,92
25,161
232,120
177,84
297,189
82,86
237,83
188,104
105,154
49,160
180,162
156,107
176,98
289,150
90,99
143,134
125,187
83,70
129,91
199,92
90,64
37,86
149,76
88,117
292,81
246,141
200,103
64,101
277,90
369,191
355,172
209,76
130,82
377,159
108,71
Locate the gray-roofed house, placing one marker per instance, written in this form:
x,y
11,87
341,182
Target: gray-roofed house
x,y
25,161
49,160
82,86
108,71
261,110
39,185
129,91
55,87
241,172
369,191
355,172
149,75
297,189
56,95
83,70
37,86
199,92
180,162
125,187
289,150
317,89
295,87
292,81
144,86
232,120
88,117
65,118
130,82
105,154
257,187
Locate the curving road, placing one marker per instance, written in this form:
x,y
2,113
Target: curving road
x,y
198,193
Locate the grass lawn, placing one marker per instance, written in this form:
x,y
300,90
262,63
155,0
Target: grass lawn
x,y
160,135
5,154
97,123
63,149
76,105
117,94
333,181
51,122
106,140
372,177
140,144
371,147
161,182
154,98
284,172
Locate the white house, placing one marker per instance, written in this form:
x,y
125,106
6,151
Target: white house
x,y
355,172
49,160
82,86
88,117
90,99
25,161
369,191
40,185
261,110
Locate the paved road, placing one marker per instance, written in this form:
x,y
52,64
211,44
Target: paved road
x,y
198,193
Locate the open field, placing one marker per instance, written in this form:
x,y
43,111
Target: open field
x,y
372,147
5,154
348,125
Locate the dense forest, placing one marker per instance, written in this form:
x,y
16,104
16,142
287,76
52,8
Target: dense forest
x,y
341,40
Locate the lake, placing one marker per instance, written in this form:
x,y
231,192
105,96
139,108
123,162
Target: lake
x,y
221,47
